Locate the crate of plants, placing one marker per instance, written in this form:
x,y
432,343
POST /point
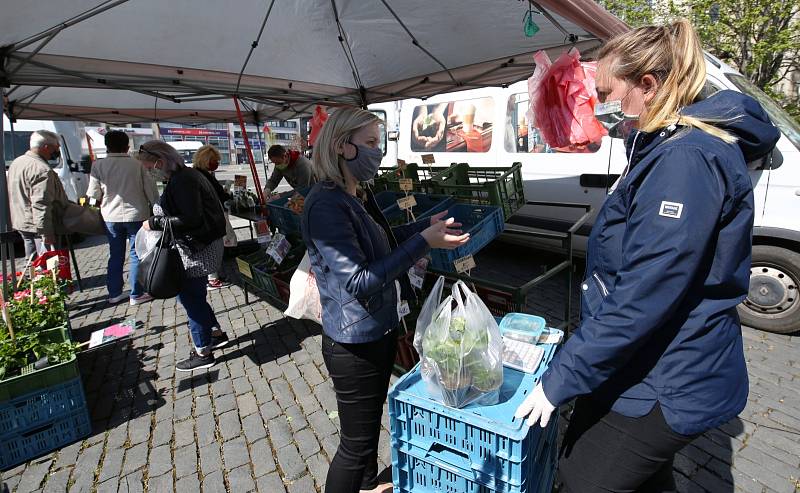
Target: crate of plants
x,y
252,269
419,174
484,223
426,206
498,186
285,211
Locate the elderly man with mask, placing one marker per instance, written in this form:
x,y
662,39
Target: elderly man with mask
x,y
35,192
289,164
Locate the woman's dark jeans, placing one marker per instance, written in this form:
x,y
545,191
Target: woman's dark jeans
x,y
360,374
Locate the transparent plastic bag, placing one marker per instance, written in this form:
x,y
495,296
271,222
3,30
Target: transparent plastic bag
x,y
146,243
460,348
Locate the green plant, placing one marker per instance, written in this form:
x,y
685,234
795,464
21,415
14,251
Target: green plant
x,y
35,310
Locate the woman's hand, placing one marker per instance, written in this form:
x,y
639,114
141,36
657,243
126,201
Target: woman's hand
x,y
436,218
146,225
441,234
536,407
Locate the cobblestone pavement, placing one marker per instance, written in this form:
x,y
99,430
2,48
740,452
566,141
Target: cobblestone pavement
x,y
263,418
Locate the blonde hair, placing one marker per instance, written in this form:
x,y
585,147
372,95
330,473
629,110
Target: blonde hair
x,y
338,129
673,55
205,155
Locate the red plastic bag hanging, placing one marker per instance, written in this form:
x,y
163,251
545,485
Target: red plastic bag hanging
x,y
562,99
317,121
64,271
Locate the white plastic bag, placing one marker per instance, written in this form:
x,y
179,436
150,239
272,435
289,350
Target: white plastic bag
x,y
230,240
460,348
146,242
68,181
303,294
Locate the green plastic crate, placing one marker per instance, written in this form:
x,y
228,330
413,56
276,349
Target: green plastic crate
x,y
420,174
31,379
482,186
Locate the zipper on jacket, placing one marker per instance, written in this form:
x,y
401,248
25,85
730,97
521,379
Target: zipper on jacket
x,y
600,283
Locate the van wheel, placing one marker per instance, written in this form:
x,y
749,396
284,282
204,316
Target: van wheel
x,y
773,301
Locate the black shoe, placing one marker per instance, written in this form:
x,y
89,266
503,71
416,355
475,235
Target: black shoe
x,y
219,341
196,362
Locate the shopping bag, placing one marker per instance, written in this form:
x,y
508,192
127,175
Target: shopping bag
x,y
146,243
304,300
73,218
163,270
230,240
64,271
460,348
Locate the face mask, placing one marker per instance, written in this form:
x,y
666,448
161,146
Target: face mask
x,y
213,166
366,163
158,174
282,166
54,162
617,122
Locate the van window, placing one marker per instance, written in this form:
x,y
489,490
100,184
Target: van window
x,y
456,126
521,136
382,126
789,127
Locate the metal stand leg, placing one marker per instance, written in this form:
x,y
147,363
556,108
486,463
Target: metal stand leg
x,y
74,262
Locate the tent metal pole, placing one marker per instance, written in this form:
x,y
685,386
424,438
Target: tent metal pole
x,y
253,171
263,149
5,219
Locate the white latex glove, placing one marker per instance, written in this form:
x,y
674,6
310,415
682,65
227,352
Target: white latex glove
x,y
536,407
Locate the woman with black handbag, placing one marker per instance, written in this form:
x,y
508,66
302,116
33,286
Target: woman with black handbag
x,y
190,210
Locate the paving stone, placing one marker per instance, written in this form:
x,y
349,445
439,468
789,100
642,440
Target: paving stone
x,y
261,458
162,433
184,433
188,483
253,428
283,393
321,424
240,479
109,486
291,463
139,429
161,484
271,483
224,404
229,425
270,410
57,482
68,455
185,461
183,408
296,418
83,473
160,461
241,386
112,465
247,404
279,432
202,405
135,458
214,483
262,390
307,443
33,477
206,429
318,467
302,485
235,453
132,483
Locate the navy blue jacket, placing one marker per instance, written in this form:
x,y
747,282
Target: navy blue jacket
x,y
668,260
354,263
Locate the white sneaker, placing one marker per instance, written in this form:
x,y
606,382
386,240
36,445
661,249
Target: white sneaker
x,y
142,298
116,299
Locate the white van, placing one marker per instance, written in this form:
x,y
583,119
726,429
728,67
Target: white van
x,y
186,148
500,135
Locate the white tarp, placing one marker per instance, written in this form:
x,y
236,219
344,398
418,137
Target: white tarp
x,y
183,51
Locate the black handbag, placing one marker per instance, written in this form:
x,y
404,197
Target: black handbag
x,y
164,276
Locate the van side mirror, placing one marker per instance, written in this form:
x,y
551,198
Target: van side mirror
x,y
773,160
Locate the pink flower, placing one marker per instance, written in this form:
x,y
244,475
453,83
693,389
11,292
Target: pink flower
x,y
43,300
21,295
39,293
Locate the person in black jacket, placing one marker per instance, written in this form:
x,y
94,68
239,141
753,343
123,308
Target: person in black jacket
x,y
190,207
206,161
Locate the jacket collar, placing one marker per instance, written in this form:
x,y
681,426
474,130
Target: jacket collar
x,y
117,154
645,142
36,156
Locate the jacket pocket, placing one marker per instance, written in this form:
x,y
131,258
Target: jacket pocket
x,y
593,291
356,310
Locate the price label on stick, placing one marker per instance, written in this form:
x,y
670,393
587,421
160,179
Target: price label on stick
x,y
264,234
416,274
240,181
428,159
406,184
403,309
244,268
407,202
464,264
52,264
401,164
278,248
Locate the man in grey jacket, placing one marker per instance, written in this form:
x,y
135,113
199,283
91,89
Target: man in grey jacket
x,y
35,193
290,165
128,193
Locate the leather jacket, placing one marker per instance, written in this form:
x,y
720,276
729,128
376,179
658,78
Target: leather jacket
x,y
354,263
192,208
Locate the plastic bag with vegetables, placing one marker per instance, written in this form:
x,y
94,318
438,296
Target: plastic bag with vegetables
x,y
460,348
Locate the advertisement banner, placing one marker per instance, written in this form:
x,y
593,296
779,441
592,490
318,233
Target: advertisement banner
x,y
195,132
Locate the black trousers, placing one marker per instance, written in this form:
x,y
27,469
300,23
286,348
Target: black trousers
x,y
360,374
604,451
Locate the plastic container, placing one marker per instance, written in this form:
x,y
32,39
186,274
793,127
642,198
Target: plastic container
x,y
32,380
481,444
282,217
500,187
30,411
420,175
22,447
427,205
483,223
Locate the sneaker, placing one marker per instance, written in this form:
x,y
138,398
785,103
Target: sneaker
x,y
113,300
196,362
219,341
142,298
217,284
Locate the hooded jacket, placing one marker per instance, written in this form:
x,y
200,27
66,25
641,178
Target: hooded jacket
x,y
668,261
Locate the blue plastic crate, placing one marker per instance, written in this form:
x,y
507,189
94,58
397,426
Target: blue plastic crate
x,y
30,411
427,205
19,448
484,223
483,440
412,473
286,220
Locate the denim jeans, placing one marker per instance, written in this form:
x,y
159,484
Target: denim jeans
x,y
118,234
202,320
360,374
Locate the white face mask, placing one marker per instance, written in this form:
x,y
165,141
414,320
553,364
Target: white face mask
x,y
618,123
158,174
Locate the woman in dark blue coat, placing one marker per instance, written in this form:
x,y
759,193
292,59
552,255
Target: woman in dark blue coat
x,y
360,265
658,357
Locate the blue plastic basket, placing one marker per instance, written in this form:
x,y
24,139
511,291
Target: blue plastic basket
x,y
39,407
427,205
486,443
281,217
22,447
484,223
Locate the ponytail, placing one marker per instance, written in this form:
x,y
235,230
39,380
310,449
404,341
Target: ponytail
x,y
673,55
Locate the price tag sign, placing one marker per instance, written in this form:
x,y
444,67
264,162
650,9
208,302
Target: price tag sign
x,y
428,159
240,181
82,201
416,274
52,264
464,264
406,184
264,234
244,268
92,202
278,248
407,202
403,309
401,164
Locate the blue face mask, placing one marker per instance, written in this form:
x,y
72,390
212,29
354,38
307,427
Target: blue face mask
x,y
365,164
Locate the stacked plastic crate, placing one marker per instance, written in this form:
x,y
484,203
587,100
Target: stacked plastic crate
x,y
477,449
